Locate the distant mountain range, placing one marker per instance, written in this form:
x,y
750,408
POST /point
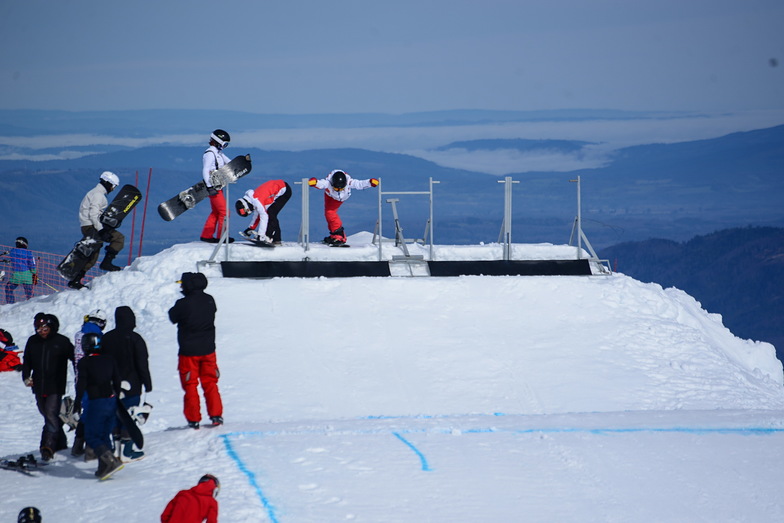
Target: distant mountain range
x,y
673,191
737,273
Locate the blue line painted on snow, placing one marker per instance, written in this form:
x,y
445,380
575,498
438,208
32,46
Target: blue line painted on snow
x,y
251,478
272,512
410,445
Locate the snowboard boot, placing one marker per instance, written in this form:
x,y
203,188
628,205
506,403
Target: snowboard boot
x,y
106,264
76,283
78,447
46,454
216,421
89,454
193,425
128,452
337,237
107,463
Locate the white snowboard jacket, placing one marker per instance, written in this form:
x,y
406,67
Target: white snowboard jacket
x,y
212,159
93,204
341,196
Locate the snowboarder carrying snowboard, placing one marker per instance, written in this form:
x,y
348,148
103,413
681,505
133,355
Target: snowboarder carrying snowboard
x,y
23,265
213,159
199,503
130,352
194,315
337,189
45,369
99,379
263,206
93,204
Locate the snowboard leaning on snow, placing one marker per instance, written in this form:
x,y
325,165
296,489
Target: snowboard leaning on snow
x,y
220,178
111,217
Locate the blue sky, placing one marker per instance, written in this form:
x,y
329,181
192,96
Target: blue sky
x,y
342,56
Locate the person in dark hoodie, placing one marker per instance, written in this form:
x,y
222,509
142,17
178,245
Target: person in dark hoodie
x,y
45,369
100,380
199,503
194,315
130,352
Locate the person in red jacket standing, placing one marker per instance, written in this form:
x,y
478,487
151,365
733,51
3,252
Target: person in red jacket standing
x,y
263,206
196,504
337,189
194,315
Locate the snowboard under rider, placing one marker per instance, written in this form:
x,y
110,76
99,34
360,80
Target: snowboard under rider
x,y
263,205
129,350
199,503
212,159
99,380
93,204
337,189
194,315
45,369
24,271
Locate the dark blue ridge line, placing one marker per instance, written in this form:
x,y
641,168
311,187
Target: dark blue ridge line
x,y
422,459
251,478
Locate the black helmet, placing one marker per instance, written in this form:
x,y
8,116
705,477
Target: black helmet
x,y
220,137
21,242
91,343
243,206
6,340
29,515
338,180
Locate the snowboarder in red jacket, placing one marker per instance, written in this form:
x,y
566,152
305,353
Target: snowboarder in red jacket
x,y
196,504
262,205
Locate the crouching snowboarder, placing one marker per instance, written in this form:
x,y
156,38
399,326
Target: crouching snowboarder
x,y
100,379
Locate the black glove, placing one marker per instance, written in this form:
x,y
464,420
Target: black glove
x,y
212,191
105,234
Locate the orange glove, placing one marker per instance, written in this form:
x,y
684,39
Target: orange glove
x,y
312,182
373,182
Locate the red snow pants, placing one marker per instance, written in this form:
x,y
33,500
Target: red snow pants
x,y
204,369
214,223
331,207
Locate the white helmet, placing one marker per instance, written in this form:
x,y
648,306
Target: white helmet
x,y
110,177
96,316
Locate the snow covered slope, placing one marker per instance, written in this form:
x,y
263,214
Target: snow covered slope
x,y
594,398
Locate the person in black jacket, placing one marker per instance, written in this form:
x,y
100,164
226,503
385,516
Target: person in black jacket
x,y
100,379
130,352
194,315
45,369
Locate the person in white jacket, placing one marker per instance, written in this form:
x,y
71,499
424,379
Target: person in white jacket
x,y
337,189
90,209
213,159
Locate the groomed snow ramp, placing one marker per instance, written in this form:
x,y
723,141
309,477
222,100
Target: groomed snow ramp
x,y
350,269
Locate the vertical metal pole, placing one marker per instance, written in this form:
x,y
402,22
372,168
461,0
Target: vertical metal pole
x,y
431,217
579,220
380,233
305,227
